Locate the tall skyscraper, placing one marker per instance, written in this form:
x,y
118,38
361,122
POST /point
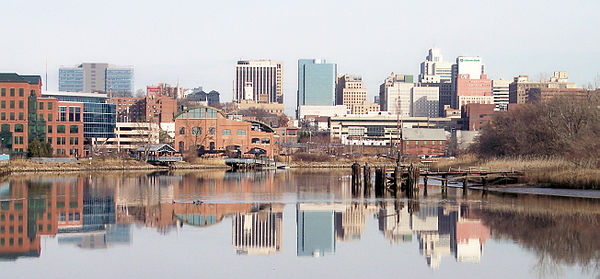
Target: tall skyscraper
x,y
316,82
394,94
434,69
259,81
470,83
351,92
435,72
96,77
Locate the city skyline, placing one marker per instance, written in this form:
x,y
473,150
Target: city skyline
x,y
509,49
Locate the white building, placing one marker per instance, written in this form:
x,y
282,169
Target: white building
x,y
470,65
425,101
131,135
259,80
500,92
434,69
396,99
327,111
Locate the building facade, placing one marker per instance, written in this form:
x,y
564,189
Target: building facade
x,y
434,69
394,94
536,95
260,81
425,101
208,129
26,115
96,77
163,89
500,89
316,82
518,88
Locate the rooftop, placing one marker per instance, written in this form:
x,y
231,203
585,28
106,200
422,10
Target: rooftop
x,y
423,134
14,77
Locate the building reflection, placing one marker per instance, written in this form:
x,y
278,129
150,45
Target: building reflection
x,y
259,231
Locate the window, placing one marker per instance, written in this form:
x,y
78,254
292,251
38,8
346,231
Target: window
x,y
41,105
433,142
227,132
71,141
211,131
12,116
3,92
416,142
60,129
77,114
255,140
12,92
241,132
5,128
71,113
20,116
196,131
3,116
49,140
182,131
74,129
49,128
49,105
407,142
424,142
3,104
266,141
19,128
63,114
49,115
440,142
12,104
20,104
20,92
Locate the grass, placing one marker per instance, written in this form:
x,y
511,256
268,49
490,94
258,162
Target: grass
x,y
548,172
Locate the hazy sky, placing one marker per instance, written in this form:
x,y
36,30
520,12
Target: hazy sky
x,y
198,42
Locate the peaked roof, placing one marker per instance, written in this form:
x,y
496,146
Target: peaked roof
x,y
156,147
423,134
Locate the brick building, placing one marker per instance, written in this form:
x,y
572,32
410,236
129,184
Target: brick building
x,y
477,115
473,90
423,141
536,95
129,109
25,116
206,128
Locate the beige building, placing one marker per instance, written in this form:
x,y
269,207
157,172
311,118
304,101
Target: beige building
x,y
518,88
259,80
351,92
131,135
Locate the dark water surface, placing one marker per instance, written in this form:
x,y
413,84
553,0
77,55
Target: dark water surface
x,y
289,224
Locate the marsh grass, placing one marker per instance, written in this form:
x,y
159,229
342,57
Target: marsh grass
x,y
548,172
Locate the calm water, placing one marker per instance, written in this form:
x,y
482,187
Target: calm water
x,y
292,224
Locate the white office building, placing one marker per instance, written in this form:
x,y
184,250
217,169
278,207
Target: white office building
x,y
424,101
500,92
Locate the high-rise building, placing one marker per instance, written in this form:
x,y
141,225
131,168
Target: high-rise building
x,y
434,69
469,83
260,81
351,92
435,72
394,94
500,89
518,88
258,233
96,77
163,89
424,101
316,82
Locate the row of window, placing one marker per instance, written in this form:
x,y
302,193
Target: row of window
x,y
424,142
11,104
12,92
11,241
197,131
11,116
11,229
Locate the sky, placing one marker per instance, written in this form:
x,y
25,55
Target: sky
x,y
197,43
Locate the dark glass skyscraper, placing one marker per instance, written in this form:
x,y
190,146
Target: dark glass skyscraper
x,y
316,82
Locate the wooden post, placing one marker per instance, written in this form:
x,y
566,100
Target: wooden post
x,y
397,178
367,180
379,182
425,186
465,185
484,183
355,178
444,183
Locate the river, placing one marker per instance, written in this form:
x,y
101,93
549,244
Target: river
x,y
292,224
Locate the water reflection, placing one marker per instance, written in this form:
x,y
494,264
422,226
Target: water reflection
x,y
104,211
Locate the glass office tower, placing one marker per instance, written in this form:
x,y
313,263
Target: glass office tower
x,y
316,82
70,79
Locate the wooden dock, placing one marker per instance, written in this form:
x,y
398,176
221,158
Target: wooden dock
x,y
237,164
405,179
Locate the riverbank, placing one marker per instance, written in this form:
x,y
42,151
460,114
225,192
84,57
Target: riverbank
x,y
549,173
24,166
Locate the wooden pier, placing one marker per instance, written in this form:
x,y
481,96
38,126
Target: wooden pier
x,y
405,179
